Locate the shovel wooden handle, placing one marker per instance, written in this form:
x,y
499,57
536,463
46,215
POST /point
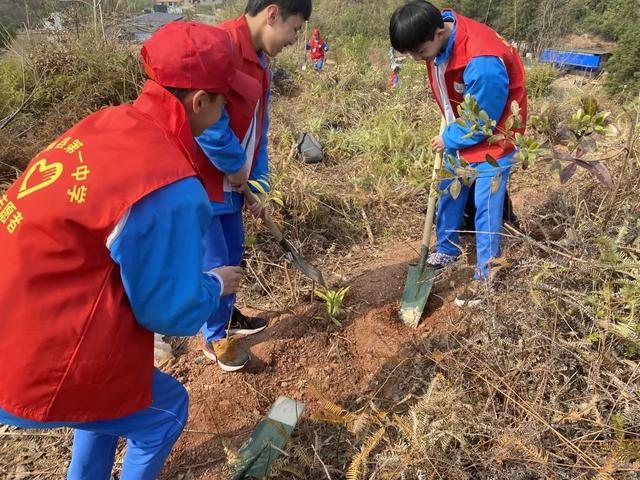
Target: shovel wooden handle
x,y
433,195
252,198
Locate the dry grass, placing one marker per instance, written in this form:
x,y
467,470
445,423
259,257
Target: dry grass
x,y
370,186
542,382
34,455
51,83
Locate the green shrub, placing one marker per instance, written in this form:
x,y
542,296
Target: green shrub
x,y
10,86
624,65
7,33
539,79
64,79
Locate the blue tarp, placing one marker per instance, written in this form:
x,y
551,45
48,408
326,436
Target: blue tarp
x,y
580,60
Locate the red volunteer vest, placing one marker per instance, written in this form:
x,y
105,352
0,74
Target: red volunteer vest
x,y
241,110
317,48
70,347
474,39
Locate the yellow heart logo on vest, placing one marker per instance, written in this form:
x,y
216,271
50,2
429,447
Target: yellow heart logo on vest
x,y
45,173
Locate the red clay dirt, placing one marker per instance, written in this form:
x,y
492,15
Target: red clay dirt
x,y
301,346
298,347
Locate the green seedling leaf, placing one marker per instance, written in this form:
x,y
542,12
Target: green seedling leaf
x,y
258,186
445,174
509,123
495,182
496,138
515,107
249,241
455,188
491,161
321,295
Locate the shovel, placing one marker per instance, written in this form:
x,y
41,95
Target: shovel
x,y
304,44
292,253
420,276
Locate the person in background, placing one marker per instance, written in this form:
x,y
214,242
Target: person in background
x,y
394,78
317,48
395,65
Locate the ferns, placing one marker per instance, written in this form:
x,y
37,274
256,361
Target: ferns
x,y
360,459
333,413
511,442
609,468
295,461
429,429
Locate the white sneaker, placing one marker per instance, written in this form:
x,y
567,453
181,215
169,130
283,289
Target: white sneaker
x,y
472,295
441,260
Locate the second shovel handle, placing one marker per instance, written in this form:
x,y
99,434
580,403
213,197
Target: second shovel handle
x,y
433,195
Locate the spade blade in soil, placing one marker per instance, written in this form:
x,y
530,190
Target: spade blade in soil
x,y
301,263
416,291
257,455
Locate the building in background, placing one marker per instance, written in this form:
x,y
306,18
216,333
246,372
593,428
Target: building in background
x,y
140,28
173,7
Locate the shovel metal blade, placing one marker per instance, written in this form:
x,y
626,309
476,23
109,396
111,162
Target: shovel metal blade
x,y
416,291
301,263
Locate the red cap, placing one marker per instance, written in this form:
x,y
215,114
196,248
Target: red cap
x,y
316,31
195,56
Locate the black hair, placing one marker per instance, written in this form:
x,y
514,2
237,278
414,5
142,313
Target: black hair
x,y
414,23
288,8
181,93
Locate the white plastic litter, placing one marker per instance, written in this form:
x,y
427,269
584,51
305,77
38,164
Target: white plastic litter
x,y
161,350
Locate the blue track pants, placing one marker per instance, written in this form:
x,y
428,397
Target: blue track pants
x,y
224,246
489,215
150,435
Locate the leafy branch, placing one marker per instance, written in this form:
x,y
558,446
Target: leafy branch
x,y
267,195
577,137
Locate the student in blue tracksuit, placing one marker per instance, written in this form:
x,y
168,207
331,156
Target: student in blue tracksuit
x,y
159,222
139,257
237,147
225,238
465,57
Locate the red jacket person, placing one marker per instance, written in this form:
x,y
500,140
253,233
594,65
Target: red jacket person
x,y
237,147
464,57
102,240
317,47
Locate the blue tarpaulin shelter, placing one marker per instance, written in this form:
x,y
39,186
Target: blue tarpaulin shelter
x,y
579,60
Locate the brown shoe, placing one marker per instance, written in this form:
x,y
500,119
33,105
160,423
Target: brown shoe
x,y
229,356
